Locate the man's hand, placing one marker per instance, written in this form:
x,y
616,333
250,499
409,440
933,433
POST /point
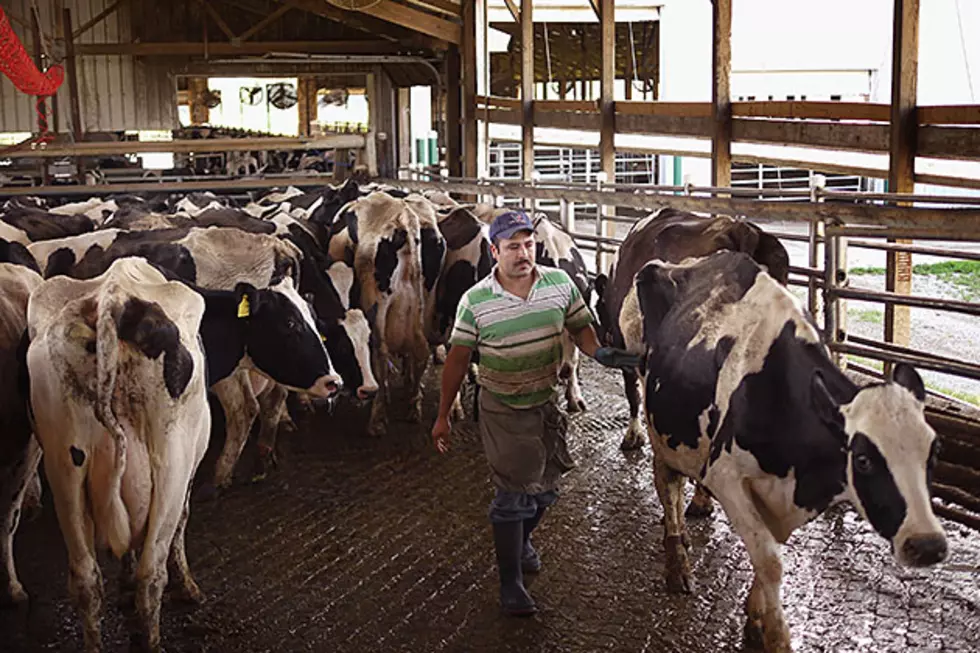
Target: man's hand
x,y
612,357
440,434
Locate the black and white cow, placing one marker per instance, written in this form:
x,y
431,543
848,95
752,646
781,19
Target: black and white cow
x,y
556,248
19,452
38,224
672,236
118,391
741,394
399,255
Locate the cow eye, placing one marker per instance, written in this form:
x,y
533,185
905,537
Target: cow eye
x,y
862,464
291,324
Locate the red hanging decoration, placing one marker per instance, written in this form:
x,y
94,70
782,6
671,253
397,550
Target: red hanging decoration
x,y
16,64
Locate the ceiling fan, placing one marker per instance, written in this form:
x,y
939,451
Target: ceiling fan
x,y
282,95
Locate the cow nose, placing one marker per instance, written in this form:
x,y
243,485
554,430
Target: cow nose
x,y
326,386
924,550
366,392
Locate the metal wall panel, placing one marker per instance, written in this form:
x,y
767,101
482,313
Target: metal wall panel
x,y
116,92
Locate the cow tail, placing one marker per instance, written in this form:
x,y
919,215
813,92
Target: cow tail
x,y
115,518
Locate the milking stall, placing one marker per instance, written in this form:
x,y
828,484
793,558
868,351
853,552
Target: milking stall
x,y
237,236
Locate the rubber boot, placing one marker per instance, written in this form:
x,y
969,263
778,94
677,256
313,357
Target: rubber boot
x,y
530,560
508,540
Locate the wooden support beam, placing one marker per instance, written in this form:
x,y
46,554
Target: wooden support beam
x,y
247,48
406,38
471,144
71,72
196,87
607,112
98,18
721,96
596,8
527,89
454,100
414,19
514,11
265,22
219,21
305,87
447,7
810,109
901,162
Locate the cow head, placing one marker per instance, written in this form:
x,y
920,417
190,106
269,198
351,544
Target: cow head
x,y
891,450
282,339
348,339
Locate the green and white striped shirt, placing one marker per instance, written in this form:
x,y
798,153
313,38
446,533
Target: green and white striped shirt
x,y
519,340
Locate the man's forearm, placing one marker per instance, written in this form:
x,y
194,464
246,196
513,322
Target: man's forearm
x,y
586,340
453,372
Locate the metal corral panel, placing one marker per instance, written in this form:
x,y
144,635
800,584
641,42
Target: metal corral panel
x,y
116,92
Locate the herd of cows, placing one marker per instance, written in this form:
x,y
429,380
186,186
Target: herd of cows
x,y
120,317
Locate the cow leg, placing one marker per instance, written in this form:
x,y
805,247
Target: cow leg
x,y
84,576
241,407
569,371
378,423
272,411
14,486
636,433
168,508
415,368
184,588
765,624
670,489
701,505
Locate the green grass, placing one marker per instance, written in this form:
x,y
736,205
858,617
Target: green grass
x,y
964,275
872,315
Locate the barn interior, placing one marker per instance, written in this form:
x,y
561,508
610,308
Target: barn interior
x,y
594,113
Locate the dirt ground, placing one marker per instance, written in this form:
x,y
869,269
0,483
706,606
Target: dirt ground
x,y
364,545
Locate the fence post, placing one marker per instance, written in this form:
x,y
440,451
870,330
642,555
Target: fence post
x,y
830,301
816,233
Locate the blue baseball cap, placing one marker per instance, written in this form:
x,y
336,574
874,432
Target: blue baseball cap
x,y
507,224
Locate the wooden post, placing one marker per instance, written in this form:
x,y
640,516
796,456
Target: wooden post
x,y
453,102
72,74
470,137
303,103
527,89
721,96
196,87
404,128
901,163
629,72
607,110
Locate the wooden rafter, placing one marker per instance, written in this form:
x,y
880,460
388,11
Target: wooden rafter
x,y
98,18
219,21
442,6
247,48
514,11
265,22
414,19
364,23
596,9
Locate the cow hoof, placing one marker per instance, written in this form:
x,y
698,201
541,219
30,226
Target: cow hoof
x,y
631,443
189,594
701,504
752,635
14,596
576,406
677,569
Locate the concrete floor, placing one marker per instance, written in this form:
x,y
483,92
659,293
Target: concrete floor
x,y
361,545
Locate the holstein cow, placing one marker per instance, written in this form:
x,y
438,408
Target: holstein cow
x,y
118,390
38,224
741,394
19,453
556,248
399,255
672,236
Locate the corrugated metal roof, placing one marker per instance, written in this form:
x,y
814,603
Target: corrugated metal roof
x,y
116,92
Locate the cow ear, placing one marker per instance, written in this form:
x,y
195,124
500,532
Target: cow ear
x,y
823,403
906,376
246,300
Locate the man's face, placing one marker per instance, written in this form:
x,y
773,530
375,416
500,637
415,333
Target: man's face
x,y
515,255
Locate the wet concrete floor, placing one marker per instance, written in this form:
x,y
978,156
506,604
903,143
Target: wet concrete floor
x,y
364,545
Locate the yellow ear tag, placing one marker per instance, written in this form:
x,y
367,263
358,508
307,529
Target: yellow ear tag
x,y
243,309
323,338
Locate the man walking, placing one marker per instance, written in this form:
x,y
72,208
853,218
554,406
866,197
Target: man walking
x,y
515,318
